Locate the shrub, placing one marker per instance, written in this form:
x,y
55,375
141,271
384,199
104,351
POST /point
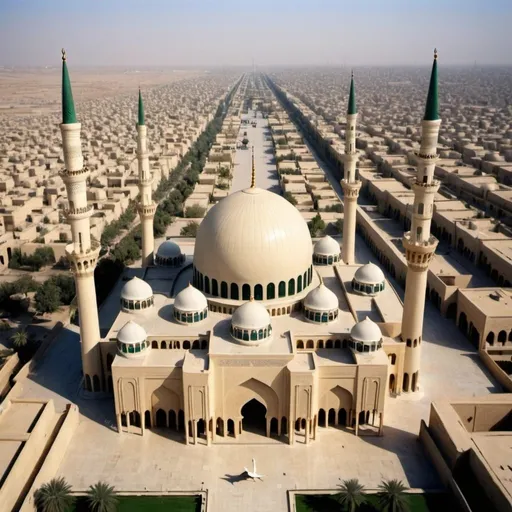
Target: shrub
x,y
195,211
190,229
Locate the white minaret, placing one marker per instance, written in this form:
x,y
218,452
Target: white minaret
x,y
350,183
83,252
146,206
419,244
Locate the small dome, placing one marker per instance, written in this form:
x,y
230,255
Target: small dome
x,y
131,333
190,299
321,299
326,246
136,289
251,315
168,249
366,331
369,274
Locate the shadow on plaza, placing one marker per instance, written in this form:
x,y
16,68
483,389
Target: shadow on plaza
x,y
407,447
60,372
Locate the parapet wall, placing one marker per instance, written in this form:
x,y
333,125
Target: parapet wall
x,y
55,455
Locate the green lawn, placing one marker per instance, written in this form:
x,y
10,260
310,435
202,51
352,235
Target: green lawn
x,y
150,504
418,503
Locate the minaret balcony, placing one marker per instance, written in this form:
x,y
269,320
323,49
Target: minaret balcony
x,y
423,247
427,156
148,181
146,210
65,173
83,262
350,188
79,213
434,184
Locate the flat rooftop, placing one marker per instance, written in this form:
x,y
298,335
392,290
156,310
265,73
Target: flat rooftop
x,y
482,299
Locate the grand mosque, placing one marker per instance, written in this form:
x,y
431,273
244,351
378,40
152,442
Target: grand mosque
x,y
262,330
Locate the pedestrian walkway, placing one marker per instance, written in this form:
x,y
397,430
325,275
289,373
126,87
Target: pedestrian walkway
x,y
266,170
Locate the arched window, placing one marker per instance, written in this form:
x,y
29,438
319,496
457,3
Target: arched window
x,y
260,334
299,284
420,209
305,279
271,291
291,287
246,336
258,292
254,335
317,317
325,317
282,289
234,291
215,288
246,292
224,290
196,317
201,283
206,285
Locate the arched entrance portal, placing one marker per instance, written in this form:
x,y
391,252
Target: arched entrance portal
x,y
254,417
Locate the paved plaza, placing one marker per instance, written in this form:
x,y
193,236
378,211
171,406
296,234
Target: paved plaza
x,y
266,170
159,462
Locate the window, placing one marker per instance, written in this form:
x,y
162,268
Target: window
x,y
291,287
299,284
234,291
246,336
206,285
305,279
189,318
258,292
419,230
215,288
246,292
260,334
282,289
324,317
224,290
317,317
196,317
271,291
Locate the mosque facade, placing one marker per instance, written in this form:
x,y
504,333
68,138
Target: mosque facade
x,y
262,331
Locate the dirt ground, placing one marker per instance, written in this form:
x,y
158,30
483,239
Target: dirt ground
x,y
37,91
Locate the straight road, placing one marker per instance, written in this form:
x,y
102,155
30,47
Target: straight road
x,y
266,170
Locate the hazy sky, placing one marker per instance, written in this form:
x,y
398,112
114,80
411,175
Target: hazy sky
x,y
273,32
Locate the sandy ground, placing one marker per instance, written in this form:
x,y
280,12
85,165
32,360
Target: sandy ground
x,y
37,91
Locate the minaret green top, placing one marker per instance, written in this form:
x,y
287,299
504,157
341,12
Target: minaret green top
x,y
352,108
432,108
68,105
141,110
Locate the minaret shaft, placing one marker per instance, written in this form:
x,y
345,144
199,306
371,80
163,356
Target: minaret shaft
x,y
350,184
146,206
83,252
419,244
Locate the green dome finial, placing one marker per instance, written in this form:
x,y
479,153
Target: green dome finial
x,y
68,105
141,110
432,108
352,108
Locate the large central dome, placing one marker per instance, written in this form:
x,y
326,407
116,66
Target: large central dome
x,y
253,238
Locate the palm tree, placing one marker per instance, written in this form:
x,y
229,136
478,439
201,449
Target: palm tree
x,y
54,496
102,497
392,496
19,339
351,495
